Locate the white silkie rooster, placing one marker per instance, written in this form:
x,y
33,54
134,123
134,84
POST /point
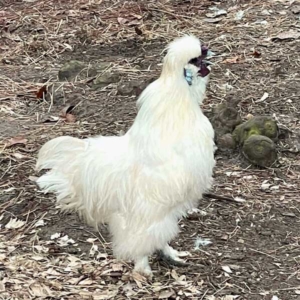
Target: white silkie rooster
x,y
143,182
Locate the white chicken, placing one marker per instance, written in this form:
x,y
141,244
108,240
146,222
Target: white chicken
x,y
143,182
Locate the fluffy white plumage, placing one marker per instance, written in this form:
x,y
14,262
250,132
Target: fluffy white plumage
x,y
141,183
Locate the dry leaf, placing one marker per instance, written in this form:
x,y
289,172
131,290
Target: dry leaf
x,y
86,282
256,54
14,224
138,278
33,178
232,60
138,31
239,15
212,20
19,155
91,240
263,98
137,16
55,236
287,35
65,113
226,269
117,267
230,297
216,13
239,199
39,223
93,250
40,290
37,257
174,274
297,292
134,22
2,286
122,20
41,93
17,140
166,294
70,118
101,256
51,119
296,9
104,295
65,241
66,110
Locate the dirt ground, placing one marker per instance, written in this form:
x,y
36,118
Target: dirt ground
x,y
254,251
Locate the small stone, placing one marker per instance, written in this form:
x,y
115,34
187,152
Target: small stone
x,y
125,90
73,68
133,87
225,119
226,141
105,79
260,150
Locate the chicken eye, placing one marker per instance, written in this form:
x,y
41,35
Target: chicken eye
x,y
194,61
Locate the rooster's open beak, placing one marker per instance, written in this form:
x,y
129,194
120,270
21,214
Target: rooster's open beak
x,y
203,63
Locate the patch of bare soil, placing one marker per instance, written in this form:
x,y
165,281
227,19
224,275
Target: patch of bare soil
x,y
248,248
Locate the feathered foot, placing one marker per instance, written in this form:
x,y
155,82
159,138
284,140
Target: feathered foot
x,y
141,265
173,257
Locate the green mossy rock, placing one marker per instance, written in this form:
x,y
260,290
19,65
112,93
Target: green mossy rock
x,y
262,125
260,150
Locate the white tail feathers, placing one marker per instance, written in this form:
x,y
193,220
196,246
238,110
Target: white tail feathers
x,y
61,155
57,151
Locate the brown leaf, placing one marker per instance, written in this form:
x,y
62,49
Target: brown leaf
x,y
232,60
138,278
41,93
17,140
287,35
138,31
256,54
66,110
70,118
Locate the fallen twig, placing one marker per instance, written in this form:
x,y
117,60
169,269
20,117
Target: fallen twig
x,y
219,197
